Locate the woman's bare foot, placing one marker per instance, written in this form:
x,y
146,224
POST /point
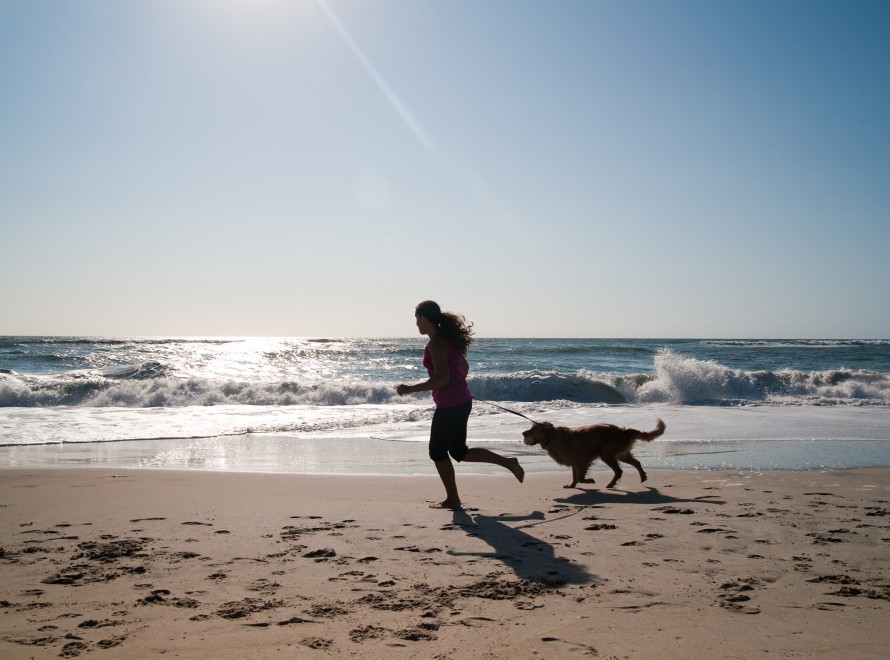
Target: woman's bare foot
x,y
516,469
446,504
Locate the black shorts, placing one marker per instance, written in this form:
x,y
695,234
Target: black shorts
x,y
448,433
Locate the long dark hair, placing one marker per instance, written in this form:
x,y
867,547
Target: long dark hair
x,y
453,328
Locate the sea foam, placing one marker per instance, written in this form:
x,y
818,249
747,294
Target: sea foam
x,y
676,379
685,380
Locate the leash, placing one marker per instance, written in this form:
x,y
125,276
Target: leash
x,y
505,409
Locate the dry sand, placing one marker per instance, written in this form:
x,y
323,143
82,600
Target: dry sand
x,y
108,564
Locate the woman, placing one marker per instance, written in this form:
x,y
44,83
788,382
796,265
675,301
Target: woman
x,y
445,361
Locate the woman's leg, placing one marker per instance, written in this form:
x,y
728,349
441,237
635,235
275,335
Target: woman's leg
x,y
480,455
448,425
446,473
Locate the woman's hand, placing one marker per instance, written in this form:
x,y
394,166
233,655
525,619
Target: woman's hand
x,y
402,390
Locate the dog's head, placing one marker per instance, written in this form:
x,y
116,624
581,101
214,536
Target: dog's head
x,y
538,434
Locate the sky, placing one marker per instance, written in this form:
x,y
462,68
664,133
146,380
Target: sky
x,y
548,168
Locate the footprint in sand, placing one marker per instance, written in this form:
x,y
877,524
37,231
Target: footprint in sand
x,y
327,610
317,643
420,633
829,606
73,649
93,623
241,608
363,633
674,510
414,548
735,597
111,642
822,538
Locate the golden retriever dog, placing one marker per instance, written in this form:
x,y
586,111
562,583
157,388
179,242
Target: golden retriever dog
x,y
579,446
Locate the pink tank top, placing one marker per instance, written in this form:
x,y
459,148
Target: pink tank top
x,y
456,392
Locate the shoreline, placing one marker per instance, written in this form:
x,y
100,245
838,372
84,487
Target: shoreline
x,y
697,438
222,564
266,454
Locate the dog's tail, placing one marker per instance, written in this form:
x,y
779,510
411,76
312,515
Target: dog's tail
x,y
651,435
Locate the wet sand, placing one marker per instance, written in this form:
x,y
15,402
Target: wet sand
x,y
718,564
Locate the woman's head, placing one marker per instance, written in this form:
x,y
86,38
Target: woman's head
x,y
451,327
429,310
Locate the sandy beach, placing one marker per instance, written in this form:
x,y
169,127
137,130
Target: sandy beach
x,y
718,564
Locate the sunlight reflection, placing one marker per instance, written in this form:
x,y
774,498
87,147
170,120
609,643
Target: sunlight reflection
x,y
390,95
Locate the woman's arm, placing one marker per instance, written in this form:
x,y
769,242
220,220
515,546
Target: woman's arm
x,y
441,374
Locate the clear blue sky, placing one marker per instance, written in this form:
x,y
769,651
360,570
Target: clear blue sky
x,y
548,168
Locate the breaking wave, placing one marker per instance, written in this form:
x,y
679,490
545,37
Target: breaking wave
x,y
676,379
685,380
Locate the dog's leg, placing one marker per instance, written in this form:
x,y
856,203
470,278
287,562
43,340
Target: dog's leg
x,y
575,478
630,460
613,463
579,475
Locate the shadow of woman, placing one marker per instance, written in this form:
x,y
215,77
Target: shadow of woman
x,y
529,557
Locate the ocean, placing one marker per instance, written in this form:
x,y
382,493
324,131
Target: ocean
x,y
328,405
